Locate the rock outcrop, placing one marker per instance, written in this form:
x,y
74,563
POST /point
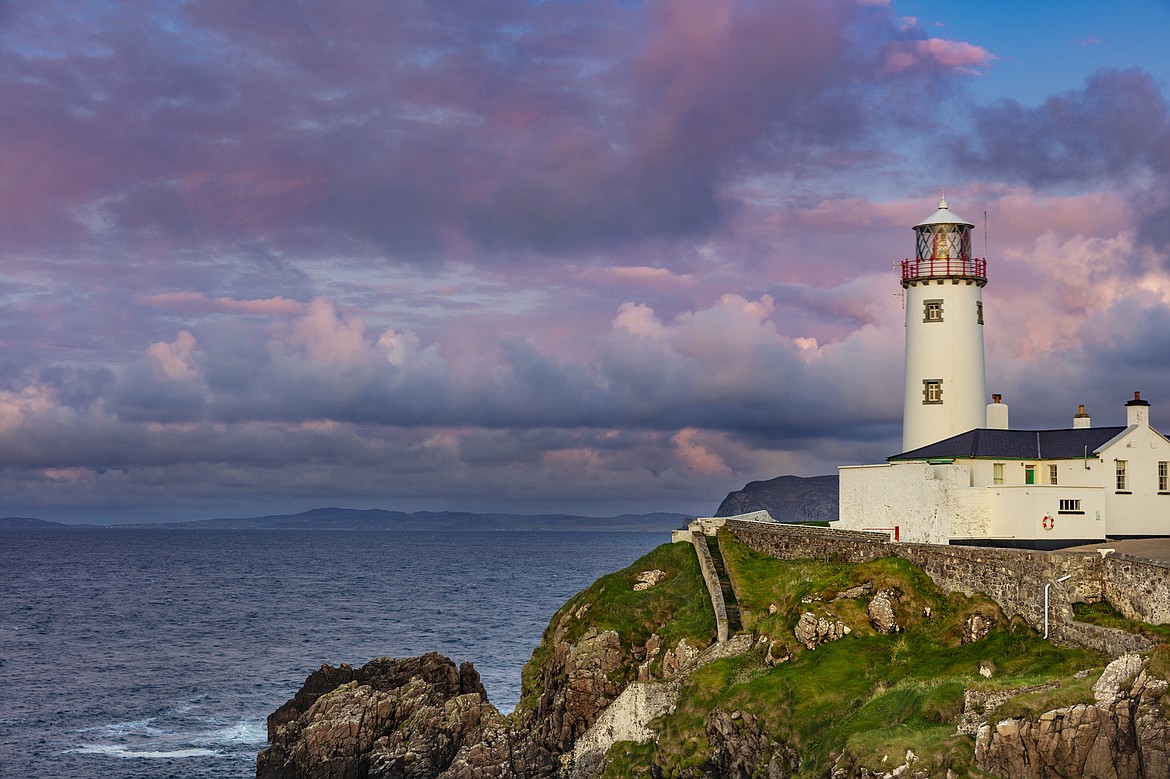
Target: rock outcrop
x,y
812,631
1124,734
881,613
576,687
740,748
419,717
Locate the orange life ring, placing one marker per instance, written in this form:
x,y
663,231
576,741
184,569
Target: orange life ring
x,y
1048,522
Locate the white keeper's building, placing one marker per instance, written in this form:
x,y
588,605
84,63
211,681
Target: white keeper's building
x,y
965,477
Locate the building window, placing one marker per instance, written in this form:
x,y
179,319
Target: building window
x,y
979,311
1029,474
1164,476
1068,506
932,310
932,392
1122,480
1052,478
997,473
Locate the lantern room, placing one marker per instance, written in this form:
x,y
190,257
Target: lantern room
x,y
943,250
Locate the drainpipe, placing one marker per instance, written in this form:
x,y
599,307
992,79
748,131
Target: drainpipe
x,y
1046,586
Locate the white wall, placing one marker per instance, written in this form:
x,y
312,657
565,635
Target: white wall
x,y
950,350
928,503
1143,511
1019,512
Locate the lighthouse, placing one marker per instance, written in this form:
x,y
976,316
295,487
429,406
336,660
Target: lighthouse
x,y
945,390
956,478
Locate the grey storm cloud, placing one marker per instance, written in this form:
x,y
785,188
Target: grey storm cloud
x,y
1117,123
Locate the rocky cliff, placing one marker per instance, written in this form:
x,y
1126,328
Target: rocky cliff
x,y
841,670
786,498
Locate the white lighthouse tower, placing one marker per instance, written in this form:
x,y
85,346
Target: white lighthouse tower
x,y
945,392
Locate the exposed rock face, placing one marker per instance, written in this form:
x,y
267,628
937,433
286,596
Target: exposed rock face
x,y
881,613
976,627
626,719
786,498
576,687
419,717
648,579
1122,735
740,749
680,657
812,631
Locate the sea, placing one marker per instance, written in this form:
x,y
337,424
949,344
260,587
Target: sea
x,y
159,653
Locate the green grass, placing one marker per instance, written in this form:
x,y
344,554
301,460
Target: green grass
x,y
1105,615
867,694
1070,693
627,759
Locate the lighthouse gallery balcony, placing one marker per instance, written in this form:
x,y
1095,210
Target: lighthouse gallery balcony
x,y
968,269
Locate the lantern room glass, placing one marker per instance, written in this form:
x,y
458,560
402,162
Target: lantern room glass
x,y
944,242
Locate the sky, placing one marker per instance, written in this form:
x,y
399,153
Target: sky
x,y
585,256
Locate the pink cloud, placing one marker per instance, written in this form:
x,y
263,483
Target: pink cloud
x,y
175,361
695,455
954,55
198,303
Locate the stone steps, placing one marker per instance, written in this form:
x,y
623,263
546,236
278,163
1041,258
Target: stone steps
x,y
729,601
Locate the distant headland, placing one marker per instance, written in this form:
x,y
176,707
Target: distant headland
x,y
380,519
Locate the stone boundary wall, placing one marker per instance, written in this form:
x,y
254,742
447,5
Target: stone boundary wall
x,y
1138,588
1013,578
711,577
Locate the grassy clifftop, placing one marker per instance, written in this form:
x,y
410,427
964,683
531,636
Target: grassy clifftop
x,y
867,696
864,699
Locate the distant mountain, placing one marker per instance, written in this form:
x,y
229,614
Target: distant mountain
x,y
434,521
29,523
786,498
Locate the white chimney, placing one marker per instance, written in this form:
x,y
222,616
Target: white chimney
x,y
1081,419
1137,411
997,414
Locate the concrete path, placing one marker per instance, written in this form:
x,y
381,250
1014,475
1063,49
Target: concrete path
x,y
1149,548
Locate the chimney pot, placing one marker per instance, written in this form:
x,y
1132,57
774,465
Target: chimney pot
x,y
997,413
1080,419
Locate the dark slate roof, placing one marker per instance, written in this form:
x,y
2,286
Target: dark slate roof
x,y
1016,444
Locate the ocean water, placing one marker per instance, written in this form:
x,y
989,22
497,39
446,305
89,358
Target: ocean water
x,y
138,653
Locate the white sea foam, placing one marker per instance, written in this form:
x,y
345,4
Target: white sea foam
x,y
143,739
138,727
243,732
116,750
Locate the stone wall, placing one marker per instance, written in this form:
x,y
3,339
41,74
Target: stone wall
x,y
1138,588
1014,578
711,577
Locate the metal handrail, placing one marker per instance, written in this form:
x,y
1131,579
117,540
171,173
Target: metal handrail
x,y
944,267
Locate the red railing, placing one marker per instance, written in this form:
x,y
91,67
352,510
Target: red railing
x,y
944,268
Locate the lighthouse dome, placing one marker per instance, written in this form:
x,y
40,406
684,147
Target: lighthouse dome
x,y
943,216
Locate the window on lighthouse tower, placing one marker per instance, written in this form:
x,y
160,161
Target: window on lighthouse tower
x,y
931,392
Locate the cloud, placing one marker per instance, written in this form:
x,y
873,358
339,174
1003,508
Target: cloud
x,y
198,303
543,256
434,131
958,55
173,361
1118,124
